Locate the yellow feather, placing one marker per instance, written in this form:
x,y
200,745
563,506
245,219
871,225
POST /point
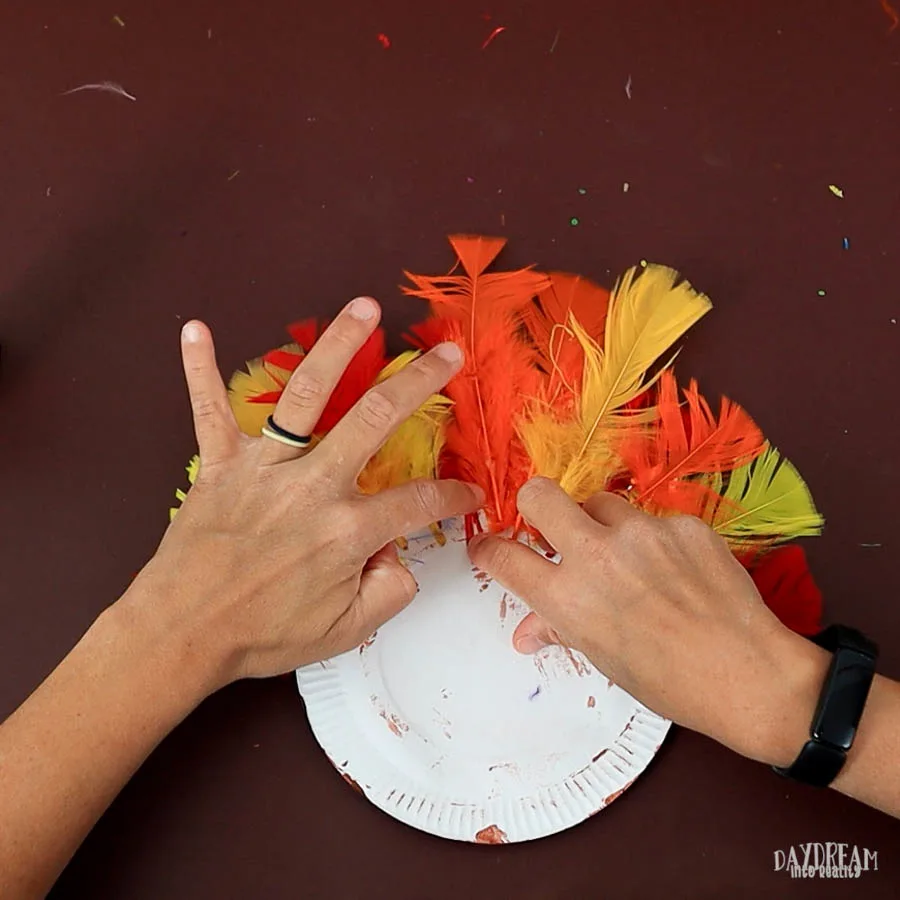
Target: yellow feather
x,y
412,451
260,378
766,500
648,313
192,468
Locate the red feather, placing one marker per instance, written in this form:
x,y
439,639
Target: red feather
x,y
683,443
425,335
359,376
787,586
482,313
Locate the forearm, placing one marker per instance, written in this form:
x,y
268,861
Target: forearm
x,y
69,749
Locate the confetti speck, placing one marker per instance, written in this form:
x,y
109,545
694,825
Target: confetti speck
x,y
628,88
643,263
498,30
582,191
838,192
384,40
820,292
119,21
555,41
108,87
845,243
574,221
625,187
234,175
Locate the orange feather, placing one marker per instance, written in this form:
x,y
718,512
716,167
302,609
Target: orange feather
x,y
547,321
683,443
482,313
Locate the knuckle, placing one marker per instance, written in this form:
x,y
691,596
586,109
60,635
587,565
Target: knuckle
x,y
689,527
532,490
204,408
427,497
345,522
377,410
637,529
306,388
494,556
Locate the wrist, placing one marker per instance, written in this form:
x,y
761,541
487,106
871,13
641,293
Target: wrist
x,y
774,727
149,626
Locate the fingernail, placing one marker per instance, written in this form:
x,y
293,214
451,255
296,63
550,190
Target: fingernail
x,y
448,351
477,540
478,491
362,308
528,643
191,333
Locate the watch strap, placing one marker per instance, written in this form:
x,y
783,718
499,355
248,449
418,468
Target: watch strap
x,y
840,706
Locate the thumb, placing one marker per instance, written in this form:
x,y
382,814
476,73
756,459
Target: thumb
x,y
533,634
385,588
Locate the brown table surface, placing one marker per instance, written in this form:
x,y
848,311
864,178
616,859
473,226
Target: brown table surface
x,y
276,161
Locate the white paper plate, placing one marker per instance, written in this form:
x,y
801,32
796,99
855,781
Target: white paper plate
x,y
441,724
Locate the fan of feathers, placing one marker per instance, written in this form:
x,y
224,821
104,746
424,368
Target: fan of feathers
x,y
572,382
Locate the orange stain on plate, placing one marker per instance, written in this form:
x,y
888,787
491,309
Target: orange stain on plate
x,y
352,783
493,834
616,794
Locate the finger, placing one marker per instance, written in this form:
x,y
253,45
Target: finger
x,y
550,510
609,509
356,438
217,432
307,392
386,587
518,568
413,506
534,633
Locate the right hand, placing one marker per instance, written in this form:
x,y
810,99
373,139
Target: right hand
x,y
664,610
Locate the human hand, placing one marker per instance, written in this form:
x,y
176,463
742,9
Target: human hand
x,y
275,559
663,609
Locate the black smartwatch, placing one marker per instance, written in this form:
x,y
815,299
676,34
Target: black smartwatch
x,y
839,708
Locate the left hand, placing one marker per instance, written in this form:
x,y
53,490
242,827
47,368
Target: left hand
x,y
276,559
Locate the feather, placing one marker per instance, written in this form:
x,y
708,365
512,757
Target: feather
x,y
648,313
685,442
547,322
482,313
427,334
193,469
787,586
765,501
254,393
413,450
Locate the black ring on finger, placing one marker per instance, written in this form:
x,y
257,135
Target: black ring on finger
x,y
274,431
